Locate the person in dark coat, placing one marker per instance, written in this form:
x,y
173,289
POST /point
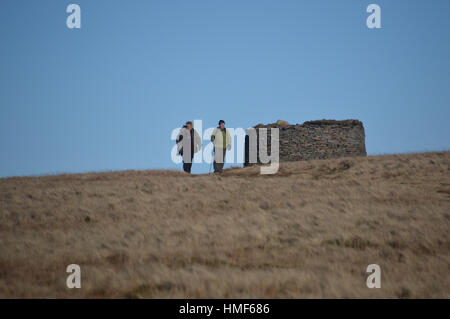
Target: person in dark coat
x,y
188,143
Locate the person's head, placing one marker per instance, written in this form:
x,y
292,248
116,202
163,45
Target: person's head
x,y
221,124
189,125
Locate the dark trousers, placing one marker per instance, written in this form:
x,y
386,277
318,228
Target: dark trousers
x,y
187,167
218,166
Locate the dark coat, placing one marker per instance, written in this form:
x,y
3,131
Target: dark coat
x,y
191,136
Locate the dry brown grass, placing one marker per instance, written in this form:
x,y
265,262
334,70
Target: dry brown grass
x,y
309,231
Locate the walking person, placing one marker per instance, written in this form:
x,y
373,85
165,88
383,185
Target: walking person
x,y
221,139
188,143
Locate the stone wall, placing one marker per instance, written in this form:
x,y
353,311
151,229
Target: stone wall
x,y
314,140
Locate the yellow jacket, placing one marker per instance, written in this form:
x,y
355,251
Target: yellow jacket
x,y
218,140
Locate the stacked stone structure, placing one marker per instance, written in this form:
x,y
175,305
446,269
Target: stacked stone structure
x,y
312,140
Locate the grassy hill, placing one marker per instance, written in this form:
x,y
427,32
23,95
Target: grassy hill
x,y
309,231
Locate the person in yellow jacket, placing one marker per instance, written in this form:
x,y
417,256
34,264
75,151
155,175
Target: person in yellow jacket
x,y
221,139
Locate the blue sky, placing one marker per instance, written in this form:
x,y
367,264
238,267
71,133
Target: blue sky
x,y
107,96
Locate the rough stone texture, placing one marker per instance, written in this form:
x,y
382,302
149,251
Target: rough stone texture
x,y
314,140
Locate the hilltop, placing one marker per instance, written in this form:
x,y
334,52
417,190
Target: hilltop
x,y
308,231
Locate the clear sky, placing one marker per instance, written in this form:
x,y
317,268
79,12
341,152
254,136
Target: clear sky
x,y
107,96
